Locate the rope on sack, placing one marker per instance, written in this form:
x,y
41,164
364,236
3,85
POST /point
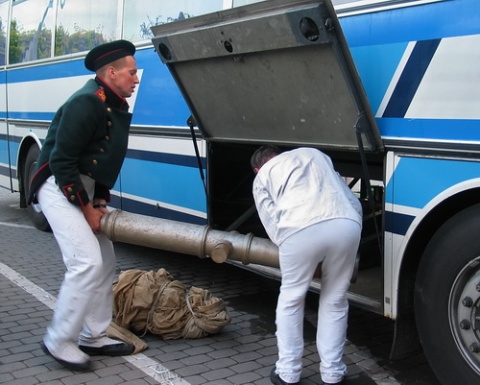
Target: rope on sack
x,y
149,322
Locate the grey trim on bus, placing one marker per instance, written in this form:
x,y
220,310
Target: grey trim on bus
x,y
178,132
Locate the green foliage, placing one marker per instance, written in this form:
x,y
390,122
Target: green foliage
x,y
79,41
3,41
15,49
28,45
32,45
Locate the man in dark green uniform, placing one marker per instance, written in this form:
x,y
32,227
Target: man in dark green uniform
x,y
78,165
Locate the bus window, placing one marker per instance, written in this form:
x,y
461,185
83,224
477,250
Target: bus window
x,y
31,30
82,25
3,31
140,15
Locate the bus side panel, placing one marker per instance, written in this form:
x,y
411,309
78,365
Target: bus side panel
x,y
158,101
160,176
419,69
416,188
5,177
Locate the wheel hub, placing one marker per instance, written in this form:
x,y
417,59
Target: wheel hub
x,y
464,312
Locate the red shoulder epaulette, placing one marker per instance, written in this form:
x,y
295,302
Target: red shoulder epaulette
x,y
101,94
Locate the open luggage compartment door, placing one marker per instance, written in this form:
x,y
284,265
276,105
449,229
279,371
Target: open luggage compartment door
x,y
272,72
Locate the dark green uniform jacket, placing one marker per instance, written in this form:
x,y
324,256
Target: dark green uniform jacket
x,y
89,136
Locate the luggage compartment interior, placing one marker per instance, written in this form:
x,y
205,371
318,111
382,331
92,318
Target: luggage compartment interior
x,y
232,208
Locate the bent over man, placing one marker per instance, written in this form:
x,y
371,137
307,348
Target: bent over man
x,y
312,216
78,165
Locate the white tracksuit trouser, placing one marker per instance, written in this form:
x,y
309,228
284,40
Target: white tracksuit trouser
x,y
335,244
84,306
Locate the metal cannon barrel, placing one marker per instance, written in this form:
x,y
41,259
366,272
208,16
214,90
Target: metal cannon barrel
x,y
186,238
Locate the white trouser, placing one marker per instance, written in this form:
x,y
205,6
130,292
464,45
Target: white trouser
x,y
335,243
84,305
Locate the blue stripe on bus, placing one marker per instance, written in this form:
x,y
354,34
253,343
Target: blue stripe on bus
x,y
6,154
397,223
159,101
172,184
31,115
442,129
5,171
48,71
419,22
180,160
137,207
377,78
416,181
389,33
5,137
410,78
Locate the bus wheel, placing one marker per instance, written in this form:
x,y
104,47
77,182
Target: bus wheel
x,y
447,300
33,210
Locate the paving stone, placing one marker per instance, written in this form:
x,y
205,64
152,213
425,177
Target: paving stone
x,y
27,372
192,370
5,378
106,380
244,378
245,367
24,381
214,375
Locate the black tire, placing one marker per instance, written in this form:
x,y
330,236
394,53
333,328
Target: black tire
x,y
447,300
33,210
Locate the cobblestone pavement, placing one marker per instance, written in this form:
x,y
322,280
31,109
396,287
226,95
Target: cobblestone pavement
x,y
243,353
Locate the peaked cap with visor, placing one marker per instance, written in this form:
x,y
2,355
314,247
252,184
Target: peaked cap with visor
x,y
108,53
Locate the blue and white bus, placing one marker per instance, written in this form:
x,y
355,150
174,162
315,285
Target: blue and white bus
x,y
42,46
388,88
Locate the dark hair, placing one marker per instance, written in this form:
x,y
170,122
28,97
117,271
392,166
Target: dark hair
x,y
263,154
